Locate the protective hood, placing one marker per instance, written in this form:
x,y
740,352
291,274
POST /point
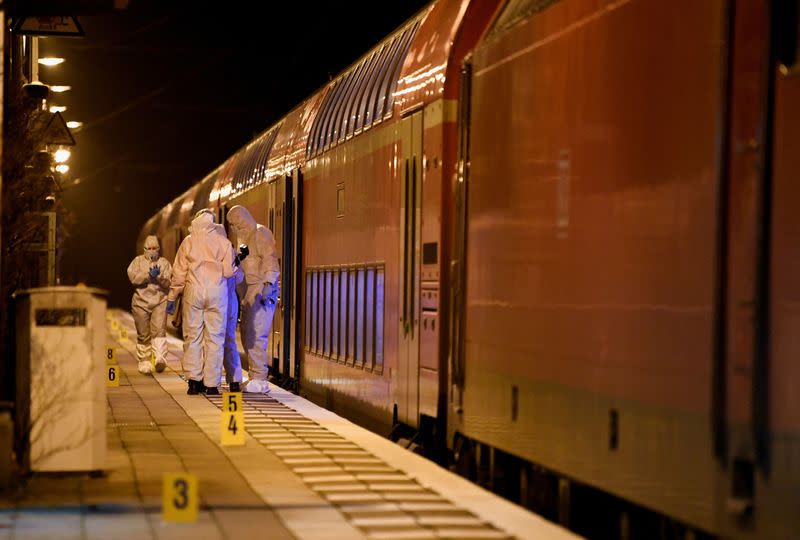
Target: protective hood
x,y
241,219
151,247
203,223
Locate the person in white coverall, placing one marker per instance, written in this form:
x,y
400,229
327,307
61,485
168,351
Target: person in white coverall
x,y
203,264
260,294
150,274
231,361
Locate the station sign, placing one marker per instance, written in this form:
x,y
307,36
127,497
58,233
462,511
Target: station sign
x,y
49,25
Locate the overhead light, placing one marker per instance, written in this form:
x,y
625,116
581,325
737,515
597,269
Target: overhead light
x,y
72,124
57,108
50,61
58,88
76,181
61,155
62,168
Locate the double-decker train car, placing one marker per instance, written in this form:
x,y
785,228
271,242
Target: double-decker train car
x,y
557,238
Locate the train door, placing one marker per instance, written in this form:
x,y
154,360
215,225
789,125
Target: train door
x,y
286,199
294,268
410,186
276,197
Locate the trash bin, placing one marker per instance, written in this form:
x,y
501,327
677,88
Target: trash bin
x,y
61,389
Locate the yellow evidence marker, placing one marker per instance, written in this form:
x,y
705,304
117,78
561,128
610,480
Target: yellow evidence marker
x,y
179,500
112,375
123,334
232,419
111,356
114,324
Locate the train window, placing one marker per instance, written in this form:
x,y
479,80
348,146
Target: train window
x,y
320,310
372,91
354,99
331,130
356,111
316,129
379,282
243,173
351,319
369,332
360,312
378,95
313,312
358,88
343,314
328,113
395,72
335,315
361,109
328,306
307,310
341,113
333,126
262,156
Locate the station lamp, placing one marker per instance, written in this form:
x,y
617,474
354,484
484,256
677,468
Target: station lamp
x,y
51,61
61,155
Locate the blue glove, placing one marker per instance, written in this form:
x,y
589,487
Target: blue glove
x,y
270,294
154,271
170,307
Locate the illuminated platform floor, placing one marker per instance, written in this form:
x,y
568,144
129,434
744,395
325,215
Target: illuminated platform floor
x,y
303,473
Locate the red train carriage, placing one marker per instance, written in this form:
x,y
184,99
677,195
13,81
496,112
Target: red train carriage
x,y
628,299
563,230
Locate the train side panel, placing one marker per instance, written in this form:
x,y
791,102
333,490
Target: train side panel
x,y
591,247
351,221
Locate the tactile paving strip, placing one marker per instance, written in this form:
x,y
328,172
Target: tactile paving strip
x,y
380,500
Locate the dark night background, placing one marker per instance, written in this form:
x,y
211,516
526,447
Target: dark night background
x,y
168,90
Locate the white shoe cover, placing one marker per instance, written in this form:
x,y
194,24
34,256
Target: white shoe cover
x,y
161,364
255,386
145,367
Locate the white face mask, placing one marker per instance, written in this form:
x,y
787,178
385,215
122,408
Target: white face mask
x,y
151,253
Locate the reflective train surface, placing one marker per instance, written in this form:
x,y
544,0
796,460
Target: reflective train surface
x,y
552,242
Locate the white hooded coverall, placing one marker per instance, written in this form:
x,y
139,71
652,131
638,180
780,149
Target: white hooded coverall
x,y
231,361
260,268
203,264
148,305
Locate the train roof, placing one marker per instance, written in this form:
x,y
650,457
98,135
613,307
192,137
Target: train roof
x,y
402,71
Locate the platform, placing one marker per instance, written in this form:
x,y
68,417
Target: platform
x,y
304,473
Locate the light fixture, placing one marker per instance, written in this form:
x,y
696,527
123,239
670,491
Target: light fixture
x,y
76,181
72,124
58,88
62,168
50,61
57,108
61,155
